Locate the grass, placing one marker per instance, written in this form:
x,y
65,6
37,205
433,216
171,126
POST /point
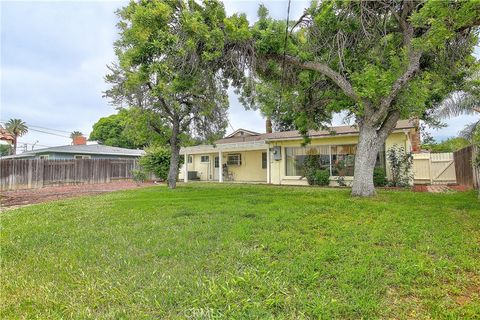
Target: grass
x,y
206,251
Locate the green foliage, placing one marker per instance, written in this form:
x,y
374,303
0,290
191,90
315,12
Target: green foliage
x,y
448,145
157,161
5,150
400,166
322,177
139,176
130,128
379,177
236,251
310,166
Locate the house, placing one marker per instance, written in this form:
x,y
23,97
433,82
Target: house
x,y
6,136
277,157
79,150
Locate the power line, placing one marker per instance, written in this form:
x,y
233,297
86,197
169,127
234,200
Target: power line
x,y
39,127
53,134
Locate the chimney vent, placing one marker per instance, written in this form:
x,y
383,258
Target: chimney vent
x,y
268,125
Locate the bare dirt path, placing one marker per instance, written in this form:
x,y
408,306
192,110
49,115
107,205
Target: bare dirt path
x,y
20,198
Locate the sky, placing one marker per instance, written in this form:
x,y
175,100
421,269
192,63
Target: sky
x,y
53,60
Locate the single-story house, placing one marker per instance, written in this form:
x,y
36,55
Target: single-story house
x,y
277,157
79,151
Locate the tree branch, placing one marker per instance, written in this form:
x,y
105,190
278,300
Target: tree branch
x,y
336,77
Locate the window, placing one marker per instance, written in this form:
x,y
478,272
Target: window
x,y
190,159
216,162
81,156
296,156
234,159
43,157
264,160
205,159
343,160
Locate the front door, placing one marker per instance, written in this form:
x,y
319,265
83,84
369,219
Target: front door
x,y
215,168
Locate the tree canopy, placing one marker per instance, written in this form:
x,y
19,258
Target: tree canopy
x,y
173,62
379,61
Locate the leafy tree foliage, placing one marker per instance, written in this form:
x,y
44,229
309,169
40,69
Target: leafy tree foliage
x,y
448,145
157,161
17,128
174,57
379,61
5,150
130,128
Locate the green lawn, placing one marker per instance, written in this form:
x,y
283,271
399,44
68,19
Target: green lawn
x,y
208,251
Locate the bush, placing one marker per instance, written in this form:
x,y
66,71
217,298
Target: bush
x,y
157,161
322,177
139,176
401,165
379,177
311,165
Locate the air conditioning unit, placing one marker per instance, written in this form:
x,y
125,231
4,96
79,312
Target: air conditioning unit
x,y
277,153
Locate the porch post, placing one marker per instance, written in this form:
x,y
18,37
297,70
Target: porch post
x,y
185,167
220,167
268,164
330,155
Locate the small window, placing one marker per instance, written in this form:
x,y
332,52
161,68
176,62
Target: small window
x,y
43,157
190,159
234,159
81,156
264,160
205,159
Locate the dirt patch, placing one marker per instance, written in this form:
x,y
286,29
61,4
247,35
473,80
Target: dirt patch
x,y
20,198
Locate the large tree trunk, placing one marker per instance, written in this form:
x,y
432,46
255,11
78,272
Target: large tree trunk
x,y
175,155
368,145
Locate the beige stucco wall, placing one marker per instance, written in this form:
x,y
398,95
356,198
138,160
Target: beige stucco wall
x,y
249,170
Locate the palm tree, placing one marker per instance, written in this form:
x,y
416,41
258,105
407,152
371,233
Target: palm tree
x,y
17,128
75,134
465,102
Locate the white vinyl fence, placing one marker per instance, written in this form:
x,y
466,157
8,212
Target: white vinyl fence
x,y
434,168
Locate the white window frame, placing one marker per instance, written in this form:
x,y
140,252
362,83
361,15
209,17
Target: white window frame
x,y
81,156
43,157
232,161
202,158
190,159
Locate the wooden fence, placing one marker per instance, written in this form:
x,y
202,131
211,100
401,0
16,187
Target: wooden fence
x,y
467,174
36,173
434,168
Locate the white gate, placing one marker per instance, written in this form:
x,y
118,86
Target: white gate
x,y
434,168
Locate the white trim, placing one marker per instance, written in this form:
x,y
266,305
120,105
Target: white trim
x,y
82,156
220,167
250,133
205,155
185,169
268,165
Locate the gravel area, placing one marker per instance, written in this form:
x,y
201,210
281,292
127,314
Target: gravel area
x,y
19,198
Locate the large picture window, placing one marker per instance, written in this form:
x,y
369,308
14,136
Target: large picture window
x,y
338,159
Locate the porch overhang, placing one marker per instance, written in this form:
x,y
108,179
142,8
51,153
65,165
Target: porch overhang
x,y
225,147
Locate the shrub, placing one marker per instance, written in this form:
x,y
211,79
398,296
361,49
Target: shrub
x,y
157,161
379,177
401,165
322,177
310,167
139,176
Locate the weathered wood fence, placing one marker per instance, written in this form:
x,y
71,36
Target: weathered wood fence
x,y
467,174
434,168
36,173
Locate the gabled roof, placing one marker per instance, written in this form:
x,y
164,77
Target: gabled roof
x,y
90,149
242,132
295,135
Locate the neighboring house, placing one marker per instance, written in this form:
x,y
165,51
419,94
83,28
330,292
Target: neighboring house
x,y
79,151
277,157
6,136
